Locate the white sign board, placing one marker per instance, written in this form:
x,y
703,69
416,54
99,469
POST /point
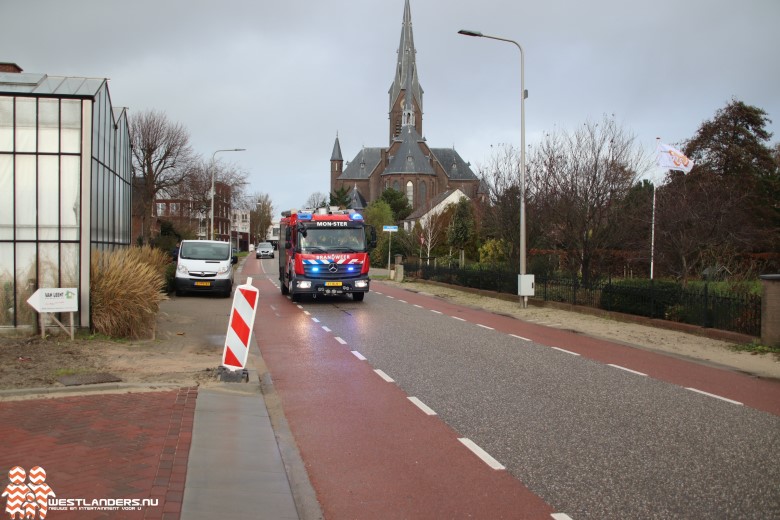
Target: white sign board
x,y
390,228
56,299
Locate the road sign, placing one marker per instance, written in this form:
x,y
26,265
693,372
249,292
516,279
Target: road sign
x,y
390,228
55,299
242,320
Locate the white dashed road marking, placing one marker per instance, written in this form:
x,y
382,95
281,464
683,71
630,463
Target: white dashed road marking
x,y
482,454
422,406
713,395
627,369
358,355
384,376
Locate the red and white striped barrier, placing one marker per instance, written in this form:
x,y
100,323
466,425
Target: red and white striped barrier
x,y
239,332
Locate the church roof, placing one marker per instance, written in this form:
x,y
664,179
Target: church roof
x,y
409,157
453,164
364,163
336,154
356,200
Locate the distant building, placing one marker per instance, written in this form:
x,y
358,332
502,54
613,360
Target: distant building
x,y
407,164
65,186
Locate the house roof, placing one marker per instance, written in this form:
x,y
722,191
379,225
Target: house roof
x,y
433,204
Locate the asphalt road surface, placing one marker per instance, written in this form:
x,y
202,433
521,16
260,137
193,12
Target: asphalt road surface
x,y
387,397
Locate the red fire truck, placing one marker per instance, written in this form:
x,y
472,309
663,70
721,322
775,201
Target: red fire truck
x,y
324,252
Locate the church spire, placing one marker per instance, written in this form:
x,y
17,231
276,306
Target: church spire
x,y
405,92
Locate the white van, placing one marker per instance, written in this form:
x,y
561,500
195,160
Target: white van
x,y
205,266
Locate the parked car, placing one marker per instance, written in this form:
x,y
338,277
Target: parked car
x,y
205,266
264,250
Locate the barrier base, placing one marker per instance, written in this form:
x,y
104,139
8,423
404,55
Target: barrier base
x,y
227,375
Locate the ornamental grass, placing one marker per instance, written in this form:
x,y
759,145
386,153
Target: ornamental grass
x,y
126,290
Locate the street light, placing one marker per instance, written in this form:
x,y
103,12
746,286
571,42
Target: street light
x,y
211,231
525,283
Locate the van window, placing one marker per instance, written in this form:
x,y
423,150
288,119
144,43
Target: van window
x,y
205,251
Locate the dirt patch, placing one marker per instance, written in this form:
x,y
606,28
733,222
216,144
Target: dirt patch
x,y
34,362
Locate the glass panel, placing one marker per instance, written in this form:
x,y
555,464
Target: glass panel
x,y
26,284
410,193
71,126
6,284
25,124
25,194
6,197
69,265
6,124
69,208
48,197
48,125
49,265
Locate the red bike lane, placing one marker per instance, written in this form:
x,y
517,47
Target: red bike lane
x,y
368,450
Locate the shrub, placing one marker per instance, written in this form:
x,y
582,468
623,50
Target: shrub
x,y
126,290
651,298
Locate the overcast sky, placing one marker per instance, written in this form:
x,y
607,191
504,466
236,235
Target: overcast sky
x,y
282,78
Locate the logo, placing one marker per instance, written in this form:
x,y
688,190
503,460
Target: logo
x,y
333,268
28,500
33,499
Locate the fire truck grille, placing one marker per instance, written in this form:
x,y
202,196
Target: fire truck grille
x,y
332,270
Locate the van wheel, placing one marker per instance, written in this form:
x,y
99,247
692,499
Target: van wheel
x,y
358,296
285,289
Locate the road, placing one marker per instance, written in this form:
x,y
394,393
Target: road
x,y
572,427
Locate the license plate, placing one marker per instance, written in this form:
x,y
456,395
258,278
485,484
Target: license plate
x,y
332,284
202,284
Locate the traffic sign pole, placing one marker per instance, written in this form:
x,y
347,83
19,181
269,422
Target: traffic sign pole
x,y
391,230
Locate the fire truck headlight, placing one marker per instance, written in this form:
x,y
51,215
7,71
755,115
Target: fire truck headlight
x,y
315,269
304,285
361,283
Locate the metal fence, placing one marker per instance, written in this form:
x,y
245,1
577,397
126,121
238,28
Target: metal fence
x,y
651,298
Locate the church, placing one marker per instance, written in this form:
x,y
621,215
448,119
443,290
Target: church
x,y
407,164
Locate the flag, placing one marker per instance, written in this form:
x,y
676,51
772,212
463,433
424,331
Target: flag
x,y
672,159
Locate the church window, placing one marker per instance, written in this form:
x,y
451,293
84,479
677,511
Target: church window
x,y
396,186
423,192
410,193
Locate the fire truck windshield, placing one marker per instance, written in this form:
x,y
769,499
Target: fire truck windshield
x,y
343,240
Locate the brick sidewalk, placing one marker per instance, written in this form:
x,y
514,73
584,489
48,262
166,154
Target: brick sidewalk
x,y
106,446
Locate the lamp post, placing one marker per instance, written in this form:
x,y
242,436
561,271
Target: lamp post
x,y
211,231
523,290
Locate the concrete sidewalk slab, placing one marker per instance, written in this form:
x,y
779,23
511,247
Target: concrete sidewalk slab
x,y
235,466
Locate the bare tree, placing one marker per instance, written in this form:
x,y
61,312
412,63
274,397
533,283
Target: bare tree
x,y
262,215
577,181
316,200
162,158
501,213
